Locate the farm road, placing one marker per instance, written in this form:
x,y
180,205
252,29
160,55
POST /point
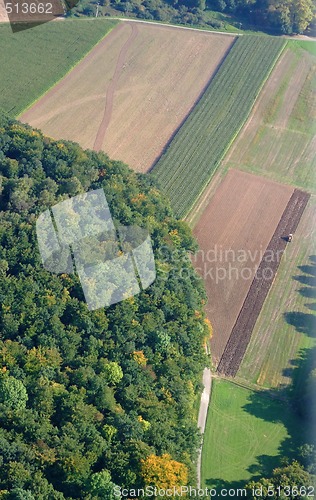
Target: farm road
x,y
205,400
111,90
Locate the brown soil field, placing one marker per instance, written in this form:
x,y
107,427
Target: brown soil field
x,y
260,286
233,233
132,92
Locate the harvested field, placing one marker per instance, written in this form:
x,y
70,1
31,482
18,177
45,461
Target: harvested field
x,y
233,233
260,286
132,92
278,140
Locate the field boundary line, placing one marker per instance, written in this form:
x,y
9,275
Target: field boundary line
x,y
229,33
190,214
25,110
196,102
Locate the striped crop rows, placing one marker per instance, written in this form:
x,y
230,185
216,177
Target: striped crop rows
x,y
192,157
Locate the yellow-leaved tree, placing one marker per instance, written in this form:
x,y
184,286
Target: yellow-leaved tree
x,y
163,472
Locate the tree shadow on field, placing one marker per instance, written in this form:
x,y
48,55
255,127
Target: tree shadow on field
x,y
312,307
303,322
290,404
220,484
309,292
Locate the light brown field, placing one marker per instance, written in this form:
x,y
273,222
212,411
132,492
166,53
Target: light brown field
x,y
233,232
131,93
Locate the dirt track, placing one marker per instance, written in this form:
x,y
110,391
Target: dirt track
x,y
242,330
111,89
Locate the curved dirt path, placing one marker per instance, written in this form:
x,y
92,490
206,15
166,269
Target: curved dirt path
x,y
111,90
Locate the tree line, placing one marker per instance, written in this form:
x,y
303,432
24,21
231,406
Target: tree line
x,y
274,16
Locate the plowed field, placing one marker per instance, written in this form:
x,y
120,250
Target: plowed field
x,y
233,234
242,330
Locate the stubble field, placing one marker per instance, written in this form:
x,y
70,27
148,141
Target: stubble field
x,y
278,141
132,92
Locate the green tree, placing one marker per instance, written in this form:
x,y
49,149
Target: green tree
x,y
13,393
101,486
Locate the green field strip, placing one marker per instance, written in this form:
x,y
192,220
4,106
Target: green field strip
x,y
197,149
36,59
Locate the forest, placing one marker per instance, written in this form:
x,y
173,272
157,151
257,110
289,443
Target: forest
x,y
271,16
90,399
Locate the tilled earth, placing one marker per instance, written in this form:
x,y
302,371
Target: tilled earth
x,y
242,330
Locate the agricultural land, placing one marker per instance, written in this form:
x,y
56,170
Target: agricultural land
x,y
35,59
277,143
260,286
197,149
246,434
233,234
132,92
224,126
278,140
285,329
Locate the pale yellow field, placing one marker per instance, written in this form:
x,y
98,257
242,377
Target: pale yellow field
x,y
3,13
130,94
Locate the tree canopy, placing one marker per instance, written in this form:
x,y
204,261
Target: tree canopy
x,y
86,397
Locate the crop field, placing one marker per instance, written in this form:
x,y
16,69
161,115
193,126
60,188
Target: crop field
x,y
285,329
233,233
246,434
197,149
129,96
260,286
35,59
278,140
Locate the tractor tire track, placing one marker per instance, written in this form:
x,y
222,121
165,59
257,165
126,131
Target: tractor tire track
x,y
111,89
